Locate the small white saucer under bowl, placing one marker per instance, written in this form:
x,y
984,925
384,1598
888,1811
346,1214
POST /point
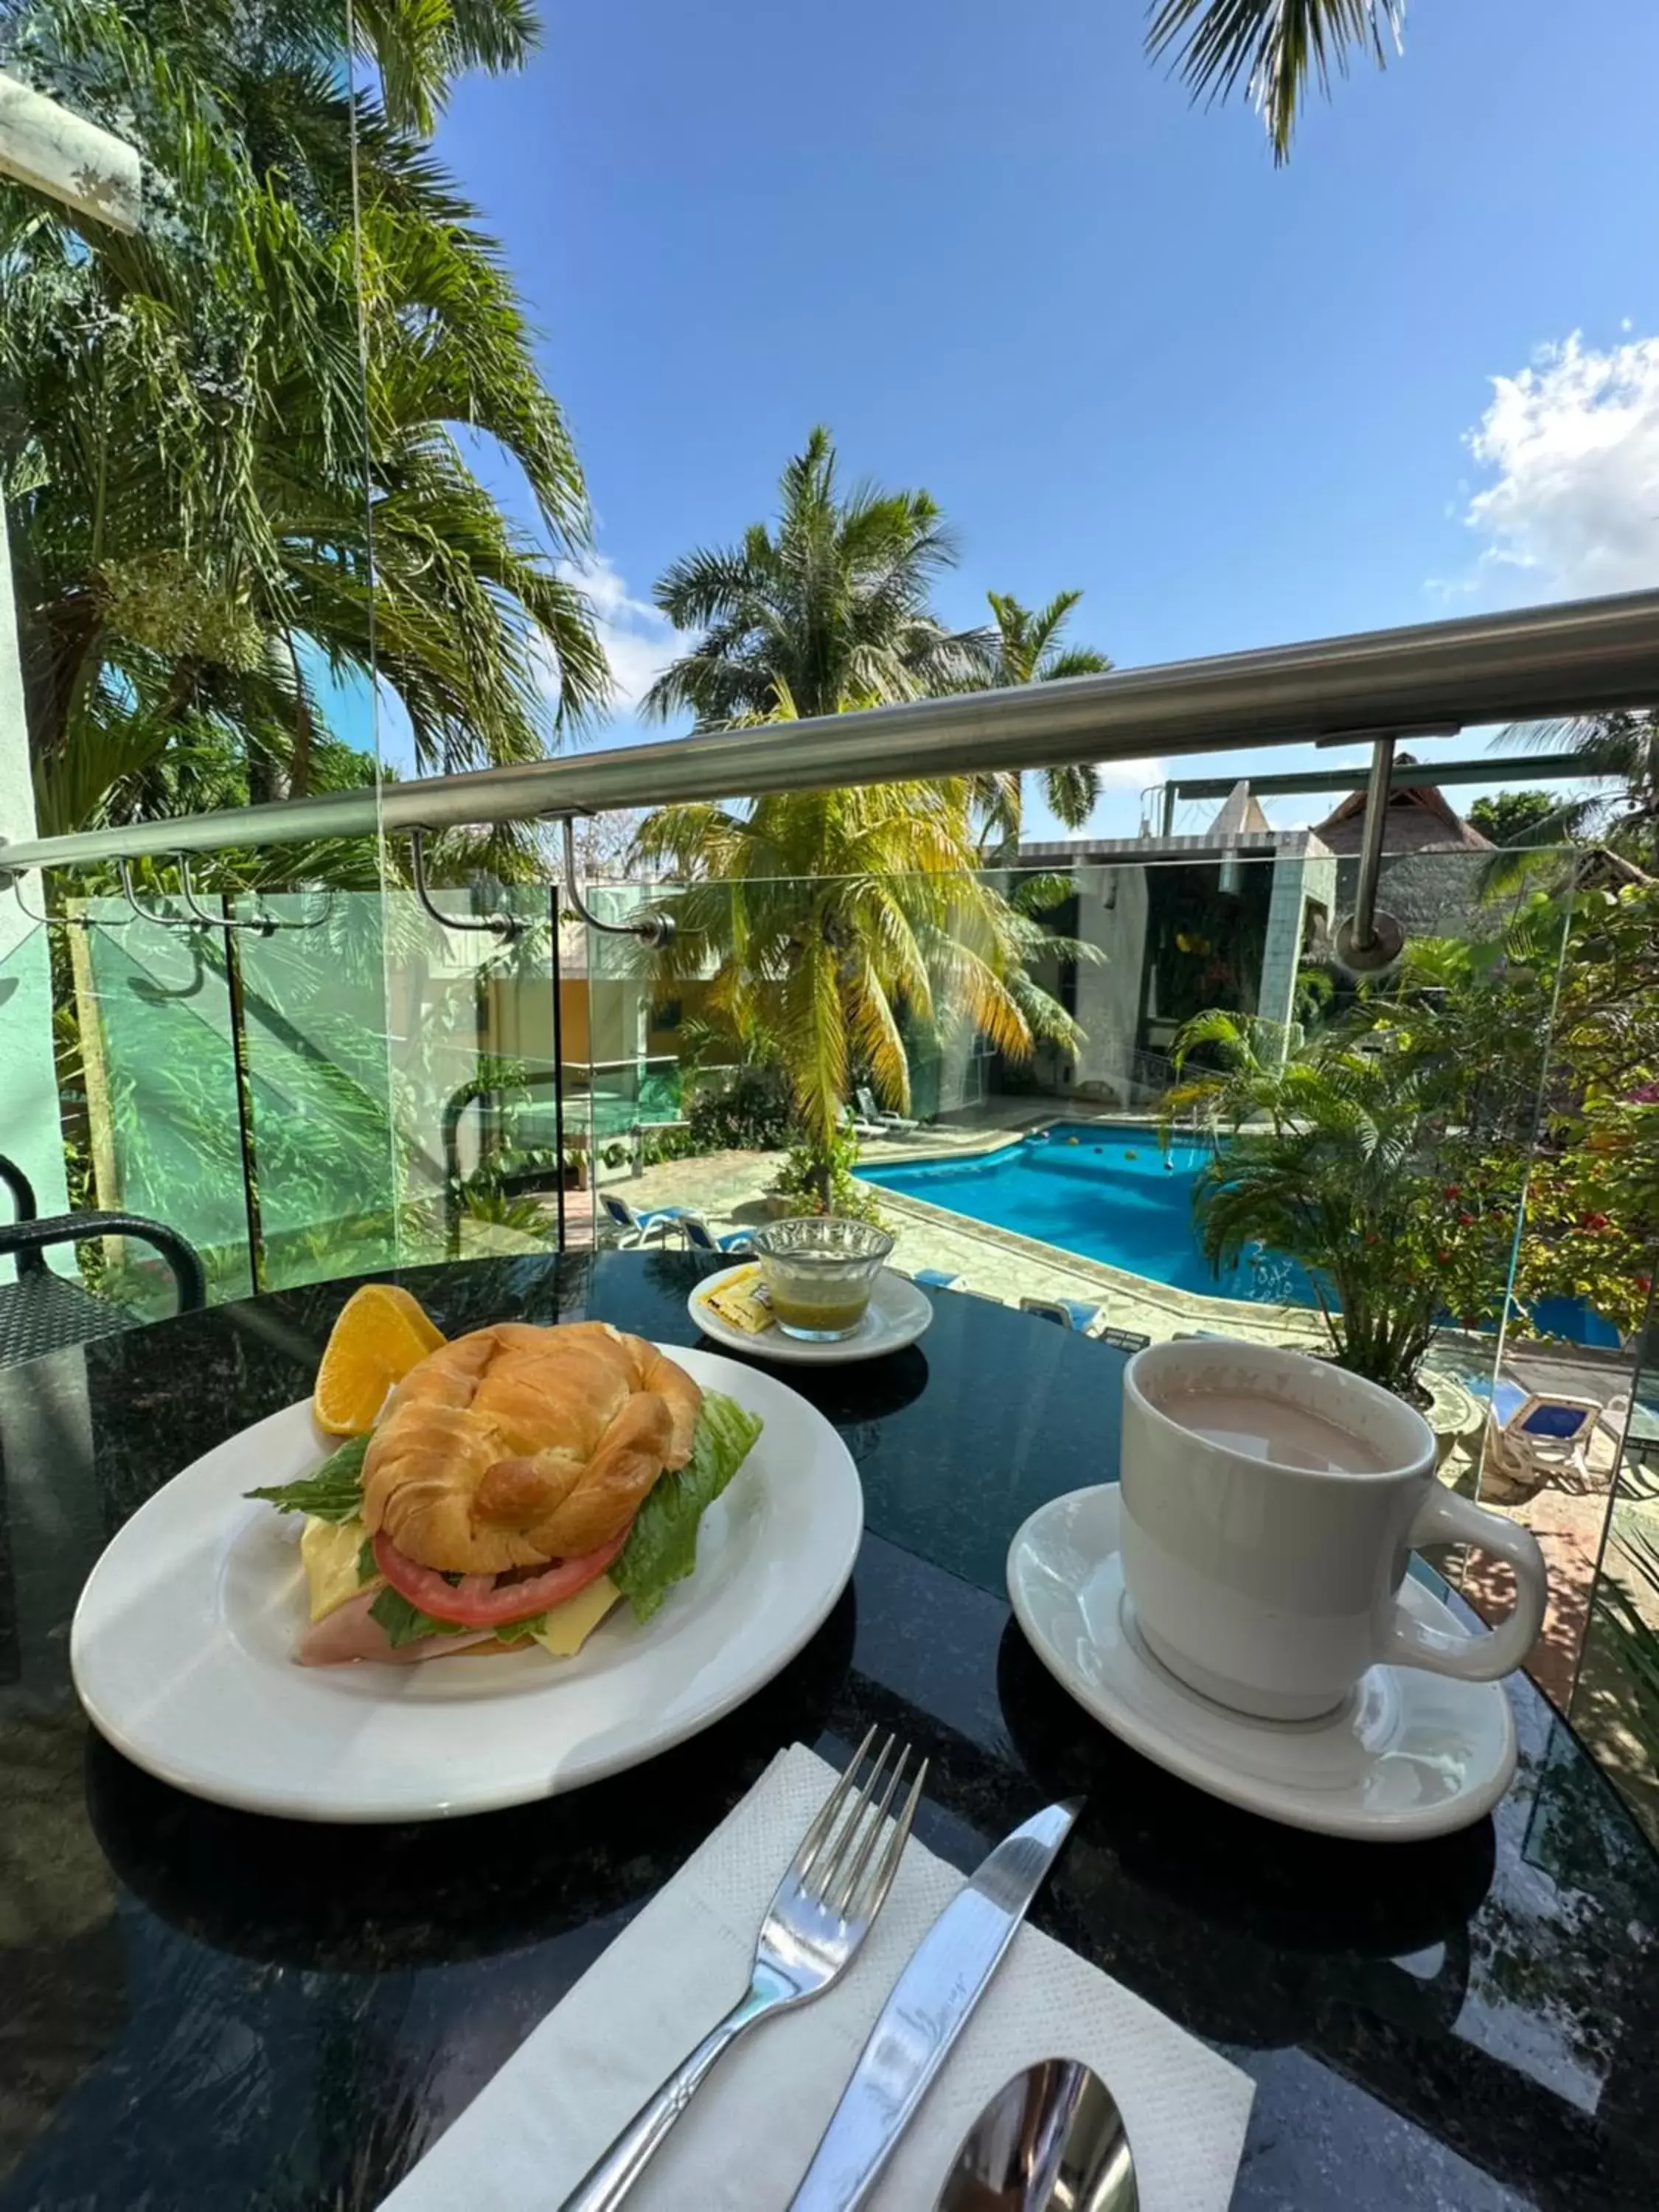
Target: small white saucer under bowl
x,y
896,1315
1408,1754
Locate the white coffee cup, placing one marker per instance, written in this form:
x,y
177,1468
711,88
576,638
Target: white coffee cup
x,y
1272,1587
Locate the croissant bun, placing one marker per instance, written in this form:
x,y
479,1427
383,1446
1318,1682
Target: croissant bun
x,y
516,1445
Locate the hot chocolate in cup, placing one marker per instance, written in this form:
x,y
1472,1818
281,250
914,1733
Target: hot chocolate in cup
x,y
1271,1503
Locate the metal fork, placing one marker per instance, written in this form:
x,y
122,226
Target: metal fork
x,y
833,1889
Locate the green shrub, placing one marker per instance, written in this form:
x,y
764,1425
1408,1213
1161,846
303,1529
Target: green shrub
x,y
752,1114
816,1184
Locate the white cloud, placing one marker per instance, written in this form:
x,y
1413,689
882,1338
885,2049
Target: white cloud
x,y
1130,775
1572,444
639,642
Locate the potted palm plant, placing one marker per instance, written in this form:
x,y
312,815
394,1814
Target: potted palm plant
x,y
1350,1157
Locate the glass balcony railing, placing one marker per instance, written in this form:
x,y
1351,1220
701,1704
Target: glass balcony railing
x,y
1142,1086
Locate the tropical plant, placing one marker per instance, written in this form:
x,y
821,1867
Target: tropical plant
x,y
1592,1225
1389,1155
1621,749
1028,646
825,610
1273,47
820,1179
197,422
1501,817
836,918
1350,1158
750,1112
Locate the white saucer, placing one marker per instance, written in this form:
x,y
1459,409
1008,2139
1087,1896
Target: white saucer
x,y
1410,1754
897,1315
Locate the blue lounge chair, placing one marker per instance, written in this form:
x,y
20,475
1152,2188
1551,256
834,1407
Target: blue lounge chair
x,y
633,1228
936,1279
700,1237
1069,1313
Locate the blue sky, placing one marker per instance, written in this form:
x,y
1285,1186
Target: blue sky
x,y
1002,256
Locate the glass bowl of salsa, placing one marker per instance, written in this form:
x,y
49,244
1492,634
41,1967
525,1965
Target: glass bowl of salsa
x,y
819,1270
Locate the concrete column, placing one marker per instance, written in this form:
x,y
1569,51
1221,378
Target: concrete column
x,y
1282,953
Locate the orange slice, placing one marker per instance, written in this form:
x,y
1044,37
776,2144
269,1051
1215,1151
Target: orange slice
x,y
381,1335
412,1311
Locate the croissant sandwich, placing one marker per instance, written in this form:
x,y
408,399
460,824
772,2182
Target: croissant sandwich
x,y
518,1483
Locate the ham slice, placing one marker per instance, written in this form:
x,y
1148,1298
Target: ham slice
x,y
349,1633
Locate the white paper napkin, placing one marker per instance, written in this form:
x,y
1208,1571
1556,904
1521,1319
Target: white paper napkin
x,y
749,2133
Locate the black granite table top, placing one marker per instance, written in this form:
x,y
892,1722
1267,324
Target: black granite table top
x,y
203,2008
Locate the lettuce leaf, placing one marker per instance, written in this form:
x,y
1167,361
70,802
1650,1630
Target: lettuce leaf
x,y
335,1493
404,1623
662,1545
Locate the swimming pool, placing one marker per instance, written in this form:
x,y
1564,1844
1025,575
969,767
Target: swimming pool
x,y
1105,1192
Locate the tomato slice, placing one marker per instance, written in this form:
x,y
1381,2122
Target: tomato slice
x,y
496,1603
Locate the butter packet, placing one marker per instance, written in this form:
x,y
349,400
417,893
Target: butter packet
x,y
742,1302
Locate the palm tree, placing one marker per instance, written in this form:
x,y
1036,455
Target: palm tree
x,y
197,423
1273,47
1028,647
828,607
837,918
1621,747
1353,1157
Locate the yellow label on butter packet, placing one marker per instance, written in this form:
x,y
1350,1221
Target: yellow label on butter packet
x,y
742,1302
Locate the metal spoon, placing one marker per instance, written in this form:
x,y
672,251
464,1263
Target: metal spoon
x,y
1052,2140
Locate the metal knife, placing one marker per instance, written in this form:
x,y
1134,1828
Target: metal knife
x,y
948,1972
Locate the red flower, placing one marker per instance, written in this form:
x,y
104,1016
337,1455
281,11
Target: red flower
x,y
1645,1284
1453,1190
1593,1221
1466,1220
1444,1258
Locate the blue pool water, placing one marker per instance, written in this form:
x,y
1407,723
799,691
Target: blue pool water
x,y
1104,1193
1107,1194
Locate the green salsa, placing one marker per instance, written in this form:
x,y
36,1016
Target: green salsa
x,y
824,1316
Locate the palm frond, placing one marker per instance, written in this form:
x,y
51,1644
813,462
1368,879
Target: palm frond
x,y
1274,48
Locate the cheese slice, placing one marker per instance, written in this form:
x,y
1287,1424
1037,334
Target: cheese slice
x,y
329,1551
570,1625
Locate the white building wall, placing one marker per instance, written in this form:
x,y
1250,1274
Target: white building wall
x,y
1298,876
1112,907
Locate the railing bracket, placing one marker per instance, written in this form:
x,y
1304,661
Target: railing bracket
x,y
502,925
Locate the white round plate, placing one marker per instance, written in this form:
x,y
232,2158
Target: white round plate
x,y
183,1642
896,1315
1410,1754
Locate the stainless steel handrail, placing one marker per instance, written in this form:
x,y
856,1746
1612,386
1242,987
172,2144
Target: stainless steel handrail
x,y
1579,658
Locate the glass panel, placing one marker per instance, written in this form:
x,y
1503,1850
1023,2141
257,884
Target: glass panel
x,y
311,1003
470,1035
1147,1089
1615,1698
34,1139
151,1006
